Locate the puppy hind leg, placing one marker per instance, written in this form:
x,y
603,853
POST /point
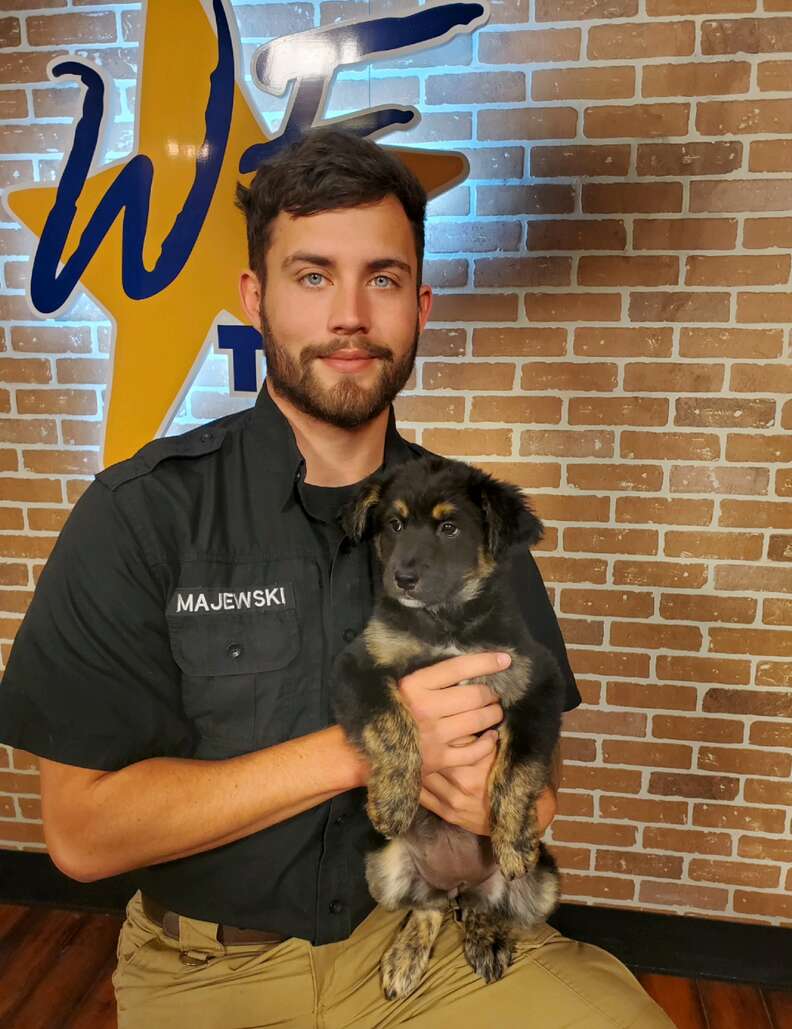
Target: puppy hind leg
x,y
489,945
528,901
404,963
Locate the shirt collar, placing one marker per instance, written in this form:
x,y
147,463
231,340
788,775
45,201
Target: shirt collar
x,y
278,450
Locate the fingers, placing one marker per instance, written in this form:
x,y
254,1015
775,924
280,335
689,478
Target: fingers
x,y
462,698
456,669
455,757
470,722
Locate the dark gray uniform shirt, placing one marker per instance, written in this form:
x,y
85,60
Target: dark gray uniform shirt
x,y
192,607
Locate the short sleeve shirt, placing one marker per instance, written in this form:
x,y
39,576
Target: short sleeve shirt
x,y
192,607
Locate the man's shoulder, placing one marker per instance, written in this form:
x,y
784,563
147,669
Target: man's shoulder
x,y
194,444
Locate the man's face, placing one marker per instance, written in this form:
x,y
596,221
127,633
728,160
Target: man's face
x,y
341,310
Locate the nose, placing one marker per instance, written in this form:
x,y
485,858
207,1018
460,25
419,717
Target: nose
x,y
405,580
349,314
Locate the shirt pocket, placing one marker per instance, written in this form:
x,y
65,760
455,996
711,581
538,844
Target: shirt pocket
x,y
235,670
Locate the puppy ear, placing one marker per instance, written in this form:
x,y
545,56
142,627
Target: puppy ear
x,y
357,515
508,518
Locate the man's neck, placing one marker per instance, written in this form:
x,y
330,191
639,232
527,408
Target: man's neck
x,y
334,456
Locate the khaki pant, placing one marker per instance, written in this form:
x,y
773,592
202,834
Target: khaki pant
x,y
198,983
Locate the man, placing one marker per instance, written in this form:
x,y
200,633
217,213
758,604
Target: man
x,y
173,670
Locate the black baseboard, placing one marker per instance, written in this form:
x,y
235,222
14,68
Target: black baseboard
x,y
695,948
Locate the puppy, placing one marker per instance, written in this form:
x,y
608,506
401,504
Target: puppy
x,y
442,532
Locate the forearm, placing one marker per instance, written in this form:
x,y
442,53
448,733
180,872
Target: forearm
x,y
166,808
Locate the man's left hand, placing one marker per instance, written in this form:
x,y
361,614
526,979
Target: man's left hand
x,y
459,795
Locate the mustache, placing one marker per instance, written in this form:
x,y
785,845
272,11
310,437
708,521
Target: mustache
x,y
368,347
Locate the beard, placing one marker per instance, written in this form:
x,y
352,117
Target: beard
x,y
347,405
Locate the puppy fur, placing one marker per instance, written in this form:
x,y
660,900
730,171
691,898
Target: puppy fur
x,y
443,532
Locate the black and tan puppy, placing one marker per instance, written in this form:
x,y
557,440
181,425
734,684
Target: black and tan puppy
x,y
442,532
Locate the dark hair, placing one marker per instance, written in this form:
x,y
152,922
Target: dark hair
x,y
326,169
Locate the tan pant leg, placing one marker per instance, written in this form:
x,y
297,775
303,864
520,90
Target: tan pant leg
x,y
554,983
197,983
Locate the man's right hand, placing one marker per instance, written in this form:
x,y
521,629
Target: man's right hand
x,y
448,719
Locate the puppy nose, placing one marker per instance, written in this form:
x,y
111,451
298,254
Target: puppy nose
x,y
405,580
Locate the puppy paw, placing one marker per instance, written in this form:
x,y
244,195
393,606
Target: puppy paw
x,y
391,818
402,968
489,958
515,860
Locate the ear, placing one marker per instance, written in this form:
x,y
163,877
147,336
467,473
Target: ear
x,y
508,518
356,517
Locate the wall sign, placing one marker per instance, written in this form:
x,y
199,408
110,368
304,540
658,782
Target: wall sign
x,y
155,238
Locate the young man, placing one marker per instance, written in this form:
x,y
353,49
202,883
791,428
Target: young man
x,y
173,670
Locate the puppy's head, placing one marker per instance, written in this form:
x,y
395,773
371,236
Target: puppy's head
x,y
439,528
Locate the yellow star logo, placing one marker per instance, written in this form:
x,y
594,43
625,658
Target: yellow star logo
x,y
160,339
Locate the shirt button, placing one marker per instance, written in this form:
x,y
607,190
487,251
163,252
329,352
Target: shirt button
x,y
205,437
340,820
349,635
234,651
336,907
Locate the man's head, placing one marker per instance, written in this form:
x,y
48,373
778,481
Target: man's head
x,y
335,230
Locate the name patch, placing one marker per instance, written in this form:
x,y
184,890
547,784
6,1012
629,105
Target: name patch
x,y
206,600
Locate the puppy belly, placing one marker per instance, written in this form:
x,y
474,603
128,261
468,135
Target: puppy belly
x,y
451,858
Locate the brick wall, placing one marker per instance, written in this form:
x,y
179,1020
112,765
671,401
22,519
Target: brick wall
x,y
610,332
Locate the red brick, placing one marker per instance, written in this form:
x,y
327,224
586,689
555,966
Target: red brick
x,y
579,10
520,410
730,413
475,88
663,511
606,887
550,443
655,445
746,35
696,479
17,369
615,478
614,82
769,703
680,307
687,159
768,904
687,7
530,45
27,65
71,28
572,307
661,39
691,669
611,541
696,79
727,816
528,123
523,271
683,727
655,637
465,442
574,234
479,375
659,573
750,514
56,401
650,754
537,199
522,342
688,841
632,197
733,195
690,608
562,376
58,462
745,762
683,896
628,271
633,809
657,866
743,116
709,787
765,848
644,121
738,271
730,342
609,341
593,832
646,695
577,161
28,430
685,233
475,307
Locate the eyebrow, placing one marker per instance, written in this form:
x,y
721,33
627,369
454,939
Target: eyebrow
x,y
381,263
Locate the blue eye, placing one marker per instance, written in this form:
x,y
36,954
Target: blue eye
x,y
314,276
383,280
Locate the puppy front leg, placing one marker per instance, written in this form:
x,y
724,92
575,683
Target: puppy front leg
x,y
368,707
514,789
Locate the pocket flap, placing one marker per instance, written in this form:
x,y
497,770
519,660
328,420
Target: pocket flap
x,y
222,644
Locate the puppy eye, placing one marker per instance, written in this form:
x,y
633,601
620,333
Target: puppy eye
x,y
448,529
396,525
